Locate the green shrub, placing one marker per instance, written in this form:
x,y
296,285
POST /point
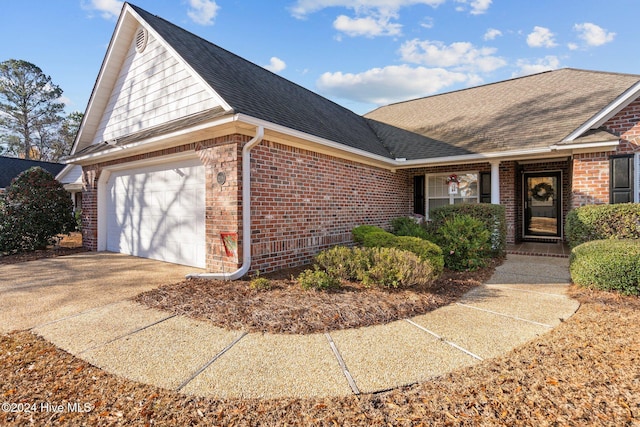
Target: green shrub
x,y
35,208
607,265
597,222
492,216
362,230
465,242
394,268
407,226
317,279
425,250
379,239
343,262
260,283
384,267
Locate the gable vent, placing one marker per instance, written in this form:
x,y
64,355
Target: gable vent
x,y
141,39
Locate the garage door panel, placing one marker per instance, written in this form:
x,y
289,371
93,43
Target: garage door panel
x,y
158,212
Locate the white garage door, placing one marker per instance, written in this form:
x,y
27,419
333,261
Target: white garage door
x,y
158,212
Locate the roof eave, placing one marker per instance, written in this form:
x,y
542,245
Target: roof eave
x,y
627,97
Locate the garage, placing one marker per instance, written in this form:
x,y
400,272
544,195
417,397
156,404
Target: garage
x,y
157,212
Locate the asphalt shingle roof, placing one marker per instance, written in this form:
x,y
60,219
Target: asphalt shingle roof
x,y
527,112
257,92
11,167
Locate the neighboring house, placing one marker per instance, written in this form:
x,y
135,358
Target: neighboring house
x,y
11,167
184,143
71,179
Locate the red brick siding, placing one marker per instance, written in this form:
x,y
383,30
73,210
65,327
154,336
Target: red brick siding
x,y
303,202
222,202
590,179
591,170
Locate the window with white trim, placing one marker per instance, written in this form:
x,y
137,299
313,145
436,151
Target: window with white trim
x,y
440,193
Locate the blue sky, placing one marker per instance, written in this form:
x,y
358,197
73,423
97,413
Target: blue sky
x,y
359,53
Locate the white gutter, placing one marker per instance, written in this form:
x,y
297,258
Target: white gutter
x,y
246,215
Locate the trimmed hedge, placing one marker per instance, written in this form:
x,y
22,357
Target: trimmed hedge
x,y
607,265
362,230
597,222
379,239
492,216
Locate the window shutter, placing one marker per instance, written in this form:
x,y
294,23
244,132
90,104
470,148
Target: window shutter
x,y
418,195
621,180
485,187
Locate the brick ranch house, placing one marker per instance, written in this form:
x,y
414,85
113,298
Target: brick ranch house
x,y
183,142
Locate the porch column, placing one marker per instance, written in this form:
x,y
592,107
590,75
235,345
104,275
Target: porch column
x,y
495,182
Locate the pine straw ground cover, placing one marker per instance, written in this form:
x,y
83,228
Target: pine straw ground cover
x,y
584,372
287,308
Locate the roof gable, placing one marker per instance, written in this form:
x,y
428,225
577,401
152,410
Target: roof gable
x,y
139,90
256,92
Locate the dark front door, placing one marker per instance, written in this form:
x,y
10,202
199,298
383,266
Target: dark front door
x,y
542,204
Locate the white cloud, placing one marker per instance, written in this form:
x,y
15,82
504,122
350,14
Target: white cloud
x,y
572,46
303,8
492,33
276,65
541,37
390,84
427,22
203,12
593,35
368,26
108,9
463,56
547,63
478,7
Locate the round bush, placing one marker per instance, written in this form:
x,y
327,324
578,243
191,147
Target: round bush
x,y
607,265
362,230
318,280
379,239
407,226
34,210
597,222
425,249
394,268
342,262
465,243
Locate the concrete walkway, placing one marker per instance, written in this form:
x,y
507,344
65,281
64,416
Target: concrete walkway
x,y
524,299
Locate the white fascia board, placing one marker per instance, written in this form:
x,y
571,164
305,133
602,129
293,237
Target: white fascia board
x,y
95,157
391,164
193,72
607,112
316,139
610,145
474,158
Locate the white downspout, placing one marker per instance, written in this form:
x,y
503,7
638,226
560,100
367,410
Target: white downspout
x,y
246,215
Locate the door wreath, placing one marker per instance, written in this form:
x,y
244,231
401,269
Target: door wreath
x,y
542,192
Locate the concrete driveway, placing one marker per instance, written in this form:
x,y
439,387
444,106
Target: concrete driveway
x,y
36,292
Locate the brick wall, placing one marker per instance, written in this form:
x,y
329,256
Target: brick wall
x,y
303,202
591,170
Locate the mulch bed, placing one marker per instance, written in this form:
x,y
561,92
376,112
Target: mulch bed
x,y
287,308
584,372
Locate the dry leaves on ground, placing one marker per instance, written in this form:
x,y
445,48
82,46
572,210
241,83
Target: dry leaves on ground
x,y
287,308
584,372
